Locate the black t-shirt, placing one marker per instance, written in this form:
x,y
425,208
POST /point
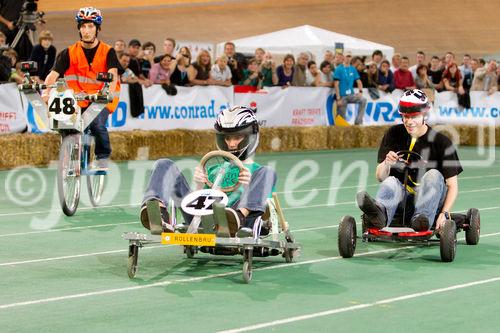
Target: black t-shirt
x,y
435,148
62,61
135,66
435,76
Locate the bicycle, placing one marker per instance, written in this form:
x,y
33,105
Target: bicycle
x,y
77,145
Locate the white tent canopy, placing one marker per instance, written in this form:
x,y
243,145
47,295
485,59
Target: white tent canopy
x,y
306,38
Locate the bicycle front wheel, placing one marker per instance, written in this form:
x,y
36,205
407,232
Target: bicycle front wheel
x,y
95,179
68,174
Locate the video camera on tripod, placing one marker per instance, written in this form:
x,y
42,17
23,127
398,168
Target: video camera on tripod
x,y
27,20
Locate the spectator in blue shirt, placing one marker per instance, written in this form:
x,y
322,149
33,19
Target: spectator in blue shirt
x,y
344,78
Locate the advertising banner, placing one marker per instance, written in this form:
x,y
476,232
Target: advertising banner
x,y
12,116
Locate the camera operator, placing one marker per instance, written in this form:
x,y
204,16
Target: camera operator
x,y
18,17
235,61
10,11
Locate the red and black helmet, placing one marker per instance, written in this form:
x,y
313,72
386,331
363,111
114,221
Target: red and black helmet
x,y
413,102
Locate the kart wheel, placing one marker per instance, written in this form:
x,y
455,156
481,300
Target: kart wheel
x,y
133,256
68,173
288,254
448,241
474,230
247,265
95,182
190,251
347,236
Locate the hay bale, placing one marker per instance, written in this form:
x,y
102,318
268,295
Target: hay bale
x,y
40,149
313,138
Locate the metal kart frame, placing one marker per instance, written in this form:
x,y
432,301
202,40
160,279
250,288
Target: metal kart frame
x,y
269,245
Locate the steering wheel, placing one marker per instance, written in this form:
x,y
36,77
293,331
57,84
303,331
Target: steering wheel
x,y
413,160
226,156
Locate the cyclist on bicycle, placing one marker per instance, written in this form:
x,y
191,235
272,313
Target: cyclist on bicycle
x,y
79,65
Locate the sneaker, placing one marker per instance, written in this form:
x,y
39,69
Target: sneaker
x,y
166,226
375,212
244,232
420,222
234,220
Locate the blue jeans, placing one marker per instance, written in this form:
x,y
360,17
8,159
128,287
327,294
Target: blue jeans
x,y
98,129
428,201
348,99
167,182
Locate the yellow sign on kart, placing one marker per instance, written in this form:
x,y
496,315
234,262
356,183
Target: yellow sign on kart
x,y
188,239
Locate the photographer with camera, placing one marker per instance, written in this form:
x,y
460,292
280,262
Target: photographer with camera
x,y
268,70
235,61
17,22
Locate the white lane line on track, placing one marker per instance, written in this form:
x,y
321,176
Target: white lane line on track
x,y
68,229
359,306
118,251
279,192
83,255
59,210
196,279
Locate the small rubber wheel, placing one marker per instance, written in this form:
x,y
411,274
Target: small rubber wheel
x,y
473,232
347,236
133,256
448,241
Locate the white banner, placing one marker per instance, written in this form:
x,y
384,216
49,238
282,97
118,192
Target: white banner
x,y
197,107
12,116
292,106
485,109
191,108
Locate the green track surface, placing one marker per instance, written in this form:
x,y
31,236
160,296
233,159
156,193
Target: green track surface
x,y
68,274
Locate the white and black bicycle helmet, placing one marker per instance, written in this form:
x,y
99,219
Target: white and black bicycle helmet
x,y
238,120
413,102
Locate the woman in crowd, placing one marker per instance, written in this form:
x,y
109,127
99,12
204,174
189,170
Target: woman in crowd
x,y
160,72
221,73
371,75
285,71
385,77
325,77
452,78
179,67
199,72
422,80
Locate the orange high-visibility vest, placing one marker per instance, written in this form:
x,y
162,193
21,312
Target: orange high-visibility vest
x,y
80,76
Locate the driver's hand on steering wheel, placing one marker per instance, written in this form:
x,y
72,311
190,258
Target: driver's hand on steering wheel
x,y
391,158
199,176
244,177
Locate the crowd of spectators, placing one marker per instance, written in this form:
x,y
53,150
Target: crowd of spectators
x,y
143,66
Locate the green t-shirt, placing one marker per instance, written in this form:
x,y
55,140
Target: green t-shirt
x,y
267,74
230,178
